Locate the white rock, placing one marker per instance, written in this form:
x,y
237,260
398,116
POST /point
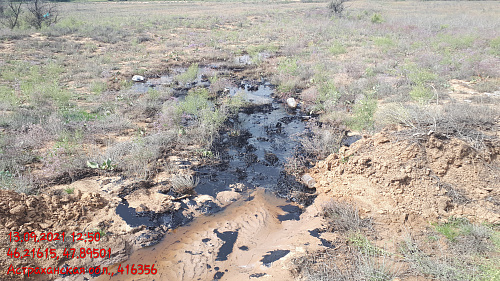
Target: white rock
x,y
291,102
226,197
203,198
308,180
138,78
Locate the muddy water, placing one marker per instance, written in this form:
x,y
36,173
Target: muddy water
x,y
254,236
246,240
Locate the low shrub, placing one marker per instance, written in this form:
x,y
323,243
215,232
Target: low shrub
x,y
344,217
184,184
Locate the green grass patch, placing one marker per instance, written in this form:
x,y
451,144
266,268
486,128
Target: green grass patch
x,y
289,66
98,87
188,76
337,49
384,42
454,42
364,245
363,113
377,18
495,46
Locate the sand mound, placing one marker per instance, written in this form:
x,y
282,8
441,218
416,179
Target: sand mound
x,y
415,180
22,213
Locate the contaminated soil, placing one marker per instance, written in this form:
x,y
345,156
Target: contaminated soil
x,y
234,226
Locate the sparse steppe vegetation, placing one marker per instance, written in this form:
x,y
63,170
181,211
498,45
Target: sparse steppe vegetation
x,y
67,99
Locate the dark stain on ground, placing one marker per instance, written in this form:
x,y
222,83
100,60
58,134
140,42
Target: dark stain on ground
x,y
273,256
218,275
293,213
316,233
257,275
229,238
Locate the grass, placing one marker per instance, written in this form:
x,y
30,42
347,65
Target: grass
x,y
361,242
66,97
69,190
189,75
469,251
184,184
344,217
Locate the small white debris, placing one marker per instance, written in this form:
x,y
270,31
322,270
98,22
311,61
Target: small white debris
x,y
308,180
292,103
138,78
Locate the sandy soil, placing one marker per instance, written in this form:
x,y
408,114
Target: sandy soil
x,y
415,180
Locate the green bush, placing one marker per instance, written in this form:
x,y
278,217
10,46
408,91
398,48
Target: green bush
x,y
377,18
363,114
421,93
188,76
495,46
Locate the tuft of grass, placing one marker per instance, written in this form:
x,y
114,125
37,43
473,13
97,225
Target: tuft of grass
x,y
453,228
364,245
495,46
364,110
447,266
344,217
337,49
377,18
184,184
323,265
98,87
15,182
189,75
69,190
421,93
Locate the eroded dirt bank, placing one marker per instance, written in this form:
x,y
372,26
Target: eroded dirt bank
x,y
415,180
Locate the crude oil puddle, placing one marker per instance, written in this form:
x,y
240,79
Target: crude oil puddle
x,y
255,149
273,256
132,218
246,239
229,238
293,213
249,236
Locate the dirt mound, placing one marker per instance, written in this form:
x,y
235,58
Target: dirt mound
x,y
23,213
415,180
55,212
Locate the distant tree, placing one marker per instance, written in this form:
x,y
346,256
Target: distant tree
x,y
41,12
10,12
337,6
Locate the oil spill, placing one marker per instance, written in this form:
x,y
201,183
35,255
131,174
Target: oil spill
x,y
229,238
273,256
256,146
257,275
293,213
132,218
218,275
324,242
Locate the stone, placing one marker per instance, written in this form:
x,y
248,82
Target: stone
x,y
18,210
308,180
291,102
226,197
138,78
